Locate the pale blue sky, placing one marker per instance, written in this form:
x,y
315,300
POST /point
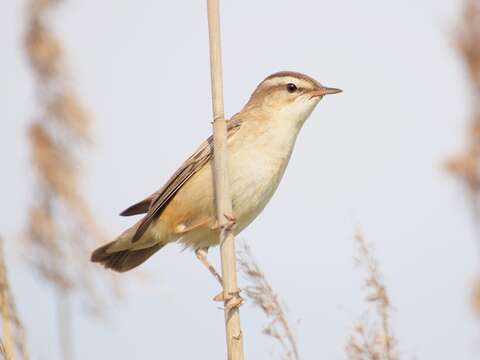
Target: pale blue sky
x,y
370,157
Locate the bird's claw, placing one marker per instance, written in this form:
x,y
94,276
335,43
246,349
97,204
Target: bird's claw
x,y
232,299
232,222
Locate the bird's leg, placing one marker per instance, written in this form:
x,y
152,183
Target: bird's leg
x,y
232,299
202,256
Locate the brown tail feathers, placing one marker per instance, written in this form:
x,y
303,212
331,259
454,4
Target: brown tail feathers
x,y
123,260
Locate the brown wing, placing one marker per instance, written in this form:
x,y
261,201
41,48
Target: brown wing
x,y
139,208
162,197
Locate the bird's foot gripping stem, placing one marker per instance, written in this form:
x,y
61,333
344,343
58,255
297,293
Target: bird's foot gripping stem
x,y
232,222
232,299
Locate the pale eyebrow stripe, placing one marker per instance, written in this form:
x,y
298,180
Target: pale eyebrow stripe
x,y
301,83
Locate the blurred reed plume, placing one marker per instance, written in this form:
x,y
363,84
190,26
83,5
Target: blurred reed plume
x,y
13,344
61,229
262,294
466,165
372,340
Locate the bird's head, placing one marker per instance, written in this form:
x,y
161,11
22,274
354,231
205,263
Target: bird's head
x,y
288,95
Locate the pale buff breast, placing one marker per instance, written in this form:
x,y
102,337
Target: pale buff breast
x,y
257,161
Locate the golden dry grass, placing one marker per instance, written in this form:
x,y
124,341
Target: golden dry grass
x,y
59,211
61,228
263,295
13,343
372,338
466,165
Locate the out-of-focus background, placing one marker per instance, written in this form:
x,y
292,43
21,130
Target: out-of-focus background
x,y
371,157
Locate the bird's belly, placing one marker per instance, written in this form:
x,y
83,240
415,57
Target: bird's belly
x,y
253,183
255,171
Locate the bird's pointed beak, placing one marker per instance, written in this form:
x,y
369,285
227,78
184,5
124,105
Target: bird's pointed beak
x,y
324,91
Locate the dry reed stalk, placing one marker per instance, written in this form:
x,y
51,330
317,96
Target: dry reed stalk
x,y
222,189
476,297
466,166
61,225
13,345
373,341
264,296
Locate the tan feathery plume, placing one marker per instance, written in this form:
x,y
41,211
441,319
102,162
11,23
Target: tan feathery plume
x,y
372,340
263,295
13,343
466,166
61,227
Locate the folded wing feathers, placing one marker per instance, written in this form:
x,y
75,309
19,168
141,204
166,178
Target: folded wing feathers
x,y
158,202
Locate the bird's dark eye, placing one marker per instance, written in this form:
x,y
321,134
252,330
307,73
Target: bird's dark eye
x,y
291,88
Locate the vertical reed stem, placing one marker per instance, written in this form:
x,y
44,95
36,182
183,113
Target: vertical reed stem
x,y
7,317
64,314
222,187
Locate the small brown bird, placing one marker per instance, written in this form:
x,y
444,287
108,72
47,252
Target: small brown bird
x,y
260,141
